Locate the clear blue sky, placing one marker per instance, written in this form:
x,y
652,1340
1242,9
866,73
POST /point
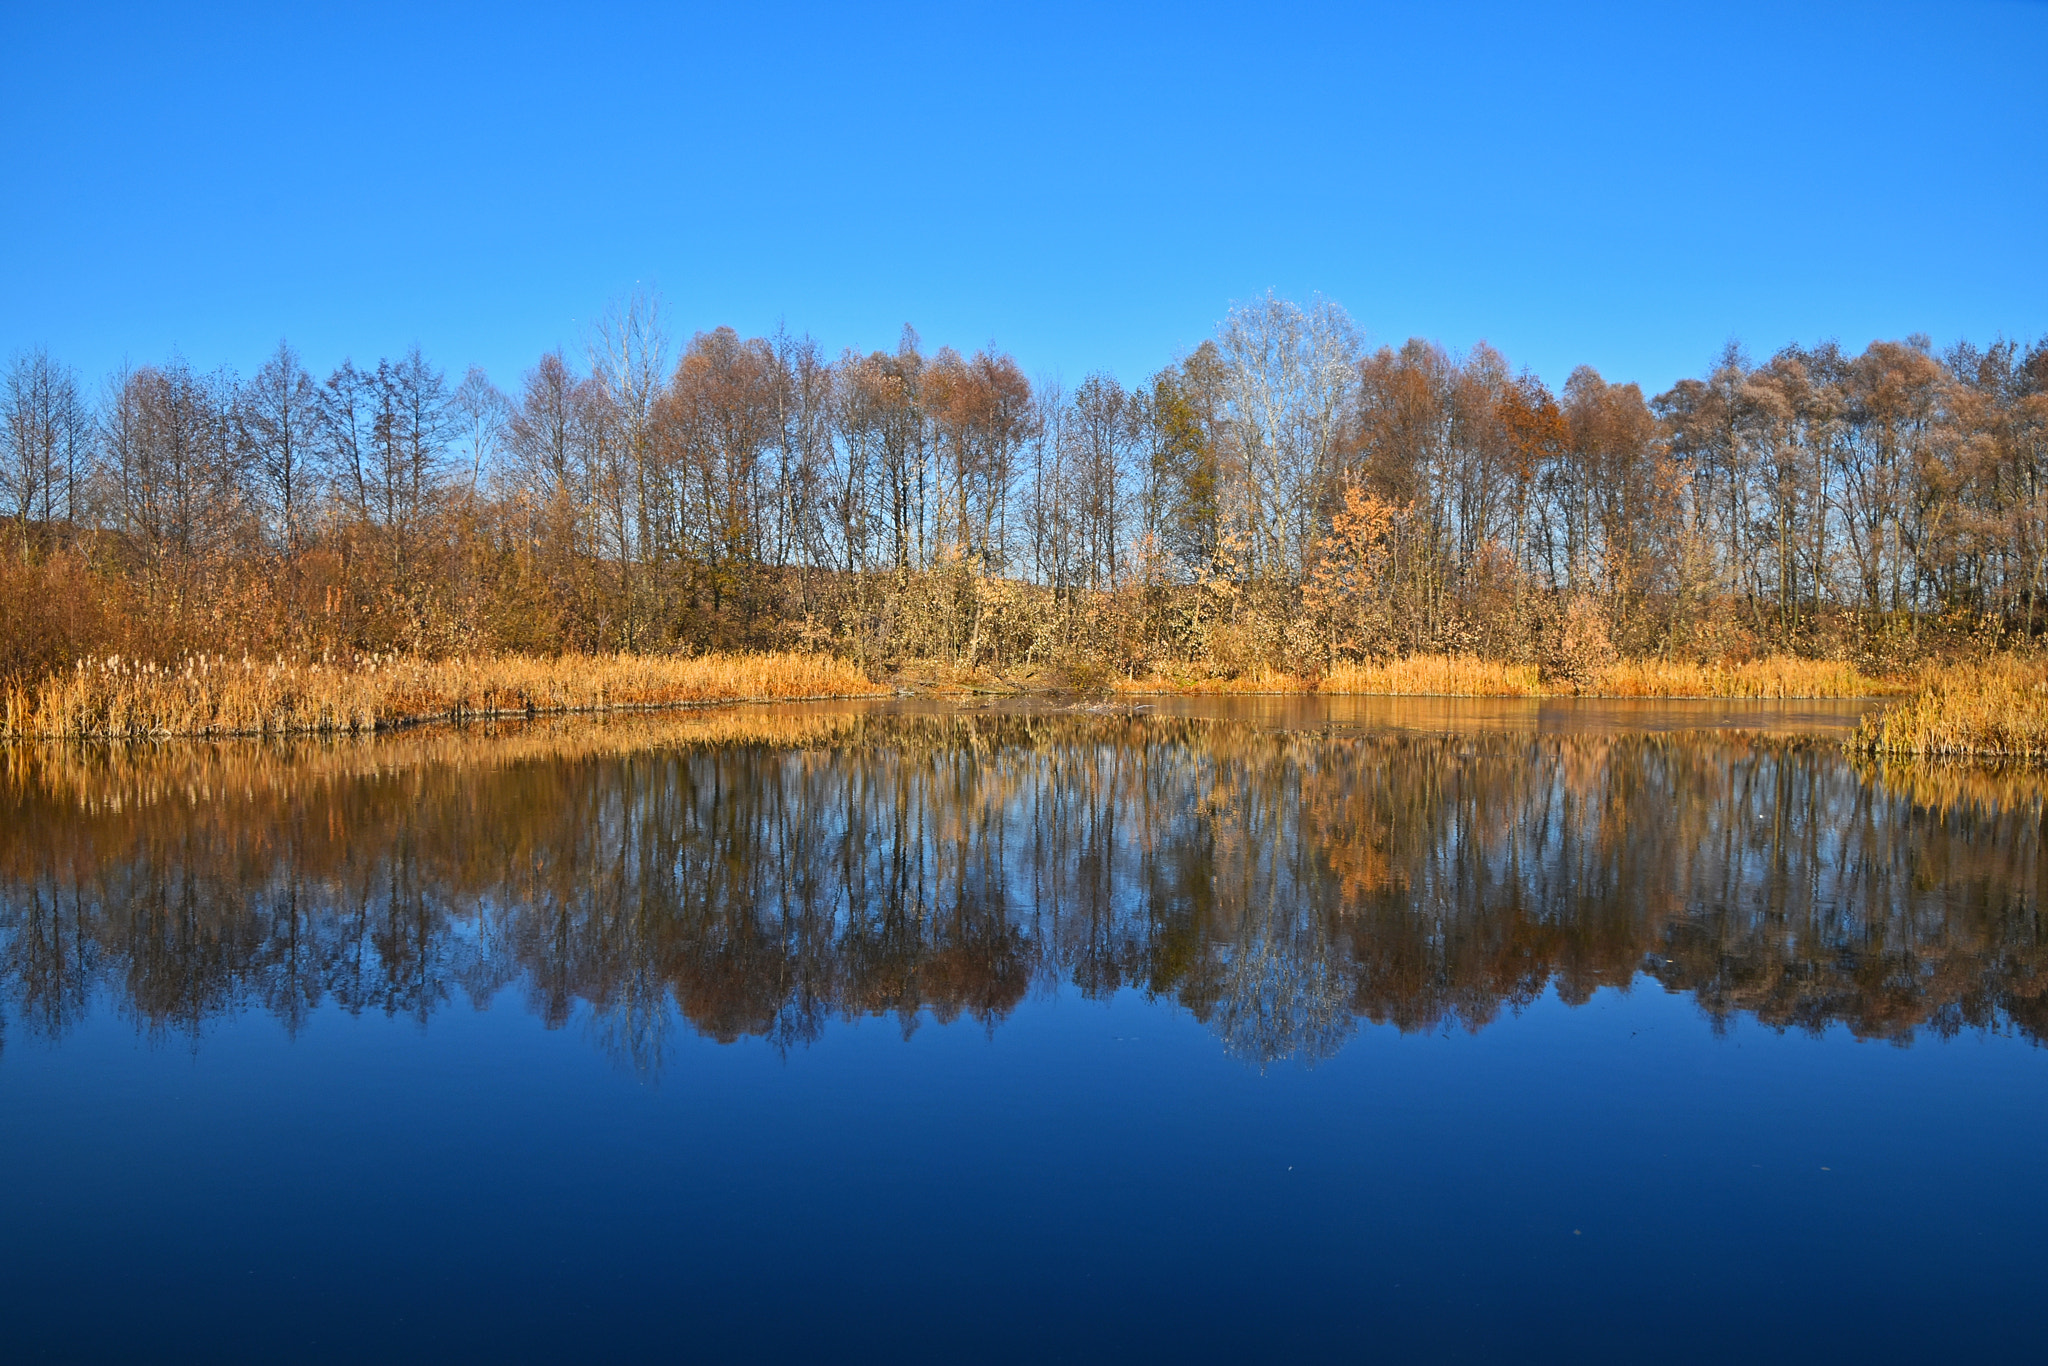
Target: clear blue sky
x,y
1088,187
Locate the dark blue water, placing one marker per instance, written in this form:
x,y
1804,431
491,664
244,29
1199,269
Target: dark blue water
x,y
1002,1039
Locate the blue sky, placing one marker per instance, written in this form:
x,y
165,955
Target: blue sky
x,y
1087,187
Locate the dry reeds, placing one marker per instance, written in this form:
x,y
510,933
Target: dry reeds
x,y
1411,676
1422,675
1779,676
211,695
1993,708
1262,680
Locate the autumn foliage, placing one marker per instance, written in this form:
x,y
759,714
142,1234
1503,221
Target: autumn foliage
x,y
1282,503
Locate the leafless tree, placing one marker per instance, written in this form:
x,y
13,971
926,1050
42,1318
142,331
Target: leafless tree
x,y
1288,375
48,436
280,425
481,414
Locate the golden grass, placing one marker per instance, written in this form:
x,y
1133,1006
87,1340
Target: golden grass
x,y
1411,676
1422,675
1778,676
1470,676
1261,680
1991,708
216,696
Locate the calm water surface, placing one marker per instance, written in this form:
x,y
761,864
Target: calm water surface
x,y
1225,1031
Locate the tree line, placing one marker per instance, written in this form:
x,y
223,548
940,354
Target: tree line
x,y
1282,496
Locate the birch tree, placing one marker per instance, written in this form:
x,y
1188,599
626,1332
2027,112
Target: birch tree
x,y
1288,377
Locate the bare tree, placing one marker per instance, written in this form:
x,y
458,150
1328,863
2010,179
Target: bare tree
x,y
1288,378
1105,430
543,435
280,425
414,424
347,418
47,435
171,463
629,363
481,415
803,452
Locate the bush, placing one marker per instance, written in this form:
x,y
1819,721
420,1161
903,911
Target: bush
x,y
1577,645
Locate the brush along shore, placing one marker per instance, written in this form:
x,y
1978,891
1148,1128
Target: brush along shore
x,y
1470,676
1985,709
1995,707
210,695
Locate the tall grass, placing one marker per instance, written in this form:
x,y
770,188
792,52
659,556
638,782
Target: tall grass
x,y
1779,676
211,695
1410,676
1991,708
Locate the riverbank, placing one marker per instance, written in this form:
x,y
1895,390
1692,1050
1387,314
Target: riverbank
x,y
1775,677
211,695
1995,708
1985,709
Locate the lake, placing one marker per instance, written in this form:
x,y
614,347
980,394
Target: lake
x,y
1216,1030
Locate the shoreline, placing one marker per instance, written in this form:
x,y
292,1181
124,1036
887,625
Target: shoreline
x,y
1993,709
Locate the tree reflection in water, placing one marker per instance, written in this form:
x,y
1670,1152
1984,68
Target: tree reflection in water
x,y
761,874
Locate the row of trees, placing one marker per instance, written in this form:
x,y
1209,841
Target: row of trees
x,y
1282,495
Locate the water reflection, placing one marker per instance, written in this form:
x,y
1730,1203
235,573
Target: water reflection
x,y
761,874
